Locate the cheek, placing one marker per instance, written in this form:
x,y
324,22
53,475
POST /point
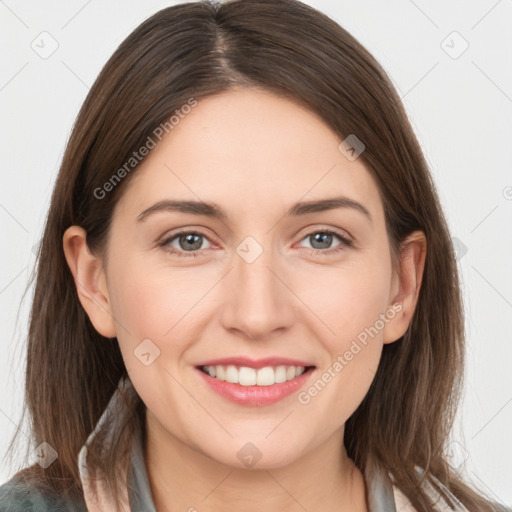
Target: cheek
x,y
142,308
161,305
363,300
150,300
346,300
351,304
148,305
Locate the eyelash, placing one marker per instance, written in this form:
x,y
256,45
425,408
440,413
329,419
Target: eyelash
x,y
345,242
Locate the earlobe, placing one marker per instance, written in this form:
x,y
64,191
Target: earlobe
x,y
406,285
89,276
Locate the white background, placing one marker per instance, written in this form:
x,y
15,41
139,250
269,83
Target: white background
x,y
461,110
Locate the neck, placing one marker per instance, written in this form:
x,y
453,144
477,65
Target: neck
x,y
183,479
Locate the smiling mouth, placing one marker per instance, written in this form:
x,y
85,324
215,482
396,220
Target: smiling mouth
x,y
246,376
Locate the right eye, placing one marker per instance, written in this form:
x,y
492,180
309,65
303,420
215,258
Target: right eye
x,y
187,240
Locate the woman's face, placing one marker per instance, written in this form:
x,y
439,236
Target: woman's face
x,y
259,282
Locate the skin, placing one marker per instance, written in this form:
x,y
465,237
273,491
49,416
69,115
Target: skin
x,y
254,154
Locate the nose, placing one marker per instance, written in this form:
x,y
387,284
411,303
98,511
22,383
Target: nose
x,y
258,299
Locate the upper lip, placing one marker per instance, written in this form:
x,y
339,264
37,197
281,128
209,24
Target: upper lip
x,y
255,363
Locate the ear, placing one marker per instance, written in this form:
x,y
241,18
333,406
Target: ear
x,y
405,285
90,280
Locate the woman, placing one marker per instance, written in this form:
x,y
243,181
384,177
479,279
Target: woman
x,y
248,370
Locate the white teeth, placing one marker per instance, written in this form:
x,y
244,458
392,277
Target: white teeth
x,y
219,372
232,374
266,376
280,374
246,376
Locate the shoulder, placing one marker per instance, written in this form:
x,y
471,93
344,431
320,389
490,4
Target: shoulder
x,y
17,495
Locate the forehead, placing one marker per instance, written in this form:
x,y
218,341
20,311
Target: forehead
x,y
247,149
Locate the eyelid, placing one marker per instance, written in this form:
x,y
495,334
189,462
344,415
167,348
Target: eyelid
x,y
316,228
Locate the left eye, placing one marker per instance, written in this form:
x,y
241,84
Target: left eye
x,y
324,239
189,242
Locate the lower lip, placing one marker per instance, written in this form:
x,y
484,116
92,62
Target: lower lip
x,y
256,395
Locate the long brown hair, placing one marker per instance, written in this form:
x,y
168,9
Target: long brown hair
x,y
195,50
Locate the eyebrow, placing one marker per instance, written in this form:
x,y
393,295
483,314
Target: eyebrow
x,y
213,210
